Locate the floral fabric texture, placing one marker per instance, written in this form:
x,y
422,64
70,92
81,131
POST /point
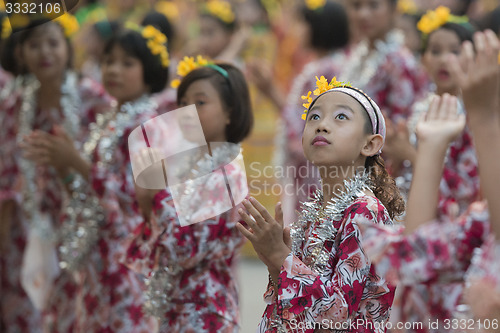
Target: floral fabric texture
x,y
348,295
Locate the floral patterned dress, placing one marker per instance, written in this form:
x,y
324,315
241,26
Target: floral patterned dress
x,y
330,285
108,296
17,313
429,264
389,74
191,269
459,185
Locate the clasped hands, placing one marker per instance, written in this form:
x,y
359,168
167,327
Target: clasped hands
x,y
269,238
43,148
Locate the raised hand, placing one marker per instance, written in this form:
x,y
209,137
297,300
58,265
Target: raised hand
x,y
266,233
441,124
479,80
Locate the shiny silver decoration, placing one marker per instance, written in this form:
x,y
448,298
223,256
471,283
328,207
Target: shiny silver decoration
x,y
70,101
83,211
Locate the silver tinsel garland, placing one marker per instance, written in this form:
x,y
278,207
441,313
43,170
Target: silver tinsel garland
x,y
158,296
362,64
313,211
84,213
160,286
70,101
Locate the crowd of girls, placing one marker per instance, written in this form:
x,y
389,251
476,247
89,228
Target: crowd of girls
x,y
389,215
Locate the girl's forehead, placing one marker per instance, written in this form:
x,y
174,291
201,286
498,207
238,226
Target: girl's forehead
x,y
336,98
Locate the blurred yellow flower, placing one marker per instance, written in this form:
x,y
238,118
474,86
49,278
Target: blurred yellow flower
x,y
221,10
187,65
175,83
322,86
6,28
156,41
432,20
315,4
407,7
69,23
169,9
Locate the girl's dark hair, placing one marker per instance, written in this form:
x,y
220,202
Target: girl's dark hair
x,y
27,32
384,187
106,29
329,26
132,42
8,56
491,21
463,31
160,22
234,94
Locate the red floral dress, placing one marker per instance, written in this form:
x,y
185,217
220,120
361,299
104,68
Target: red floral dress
x,y
459,185
17,314
430,264
109,296
389,74
200,289
348,296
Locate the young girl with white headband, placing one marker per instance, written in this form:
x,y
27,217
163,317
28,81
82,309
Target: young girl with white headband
x,y
319,276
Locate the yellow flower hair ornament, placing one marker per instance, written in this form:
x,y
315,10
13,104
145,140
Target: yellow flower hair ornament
x,y
188,64
69,23
220,9
315,4
407,7
322,86
168,9
434,19
6,28
156,41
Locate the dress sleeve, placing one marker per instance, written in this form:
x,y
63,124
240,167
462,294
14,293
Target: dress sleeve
x,y
337,293
441,247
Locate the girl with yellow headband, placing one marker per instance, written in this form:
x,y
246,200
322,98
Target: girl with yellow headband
x,y
319,276
47,97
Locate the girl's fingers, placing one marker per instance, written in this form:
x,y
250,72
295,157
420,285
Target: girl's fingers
x,y
480,42
456,72
468,53
443,107
433,108
494,44
245,232
249,220
450,108
278,214
261,209
254,212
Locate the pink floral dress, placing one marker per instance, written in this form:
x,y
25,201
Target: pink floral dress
x,y
389,74
429,264
108,296
17,314
193,266
343,292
